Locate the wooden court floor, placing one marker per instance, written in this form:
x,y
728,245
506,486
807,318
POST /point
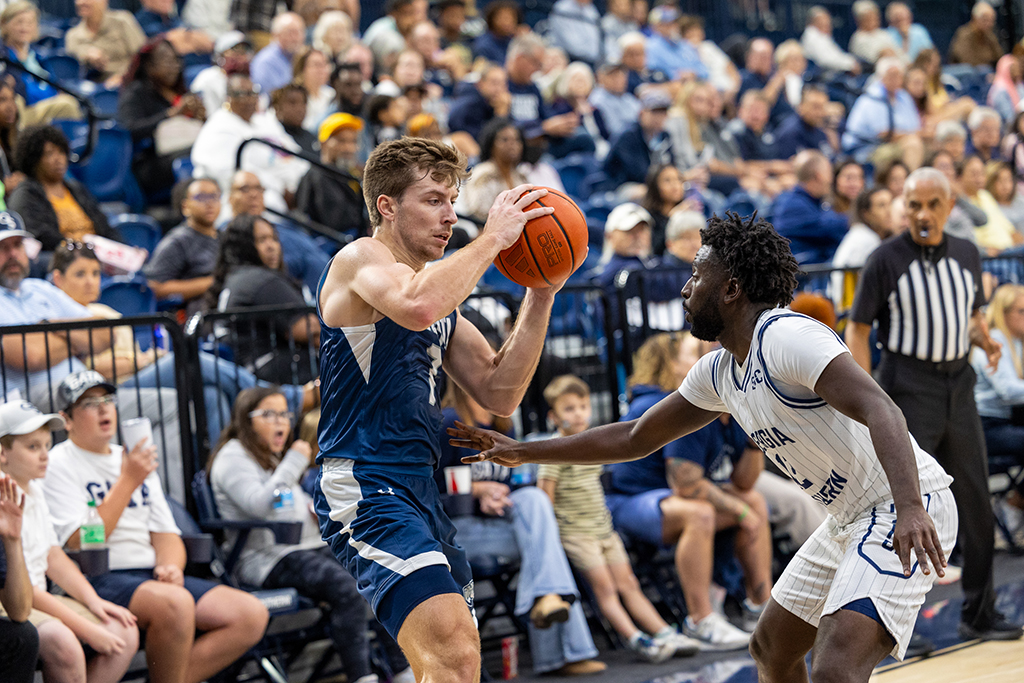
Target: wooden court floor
x,y
973,661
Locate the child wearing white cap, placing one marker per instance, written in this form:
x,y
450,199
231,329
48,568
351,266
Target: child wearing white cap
x,y
63,622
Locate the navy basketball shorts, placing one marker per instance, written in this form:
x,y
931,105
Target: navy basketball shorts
x,y
390,531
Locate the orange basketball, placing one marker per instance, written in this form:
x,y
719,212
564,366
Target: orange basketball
x,y
551,247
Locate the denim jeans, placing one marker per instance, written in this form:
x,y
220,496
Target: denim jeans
x,y
222,382
530,525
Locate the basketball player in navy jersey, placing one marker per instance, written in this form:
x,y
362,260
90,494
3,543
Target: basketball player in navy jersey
x,y
853,591
388,326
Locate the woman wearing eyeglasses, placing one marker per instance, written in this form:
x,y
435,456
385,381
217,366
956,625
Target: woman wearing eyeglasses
x,y
999,393
251,469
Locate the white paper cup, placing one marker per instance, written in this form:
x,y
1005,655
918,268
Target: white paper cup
x,y
135,430
459,479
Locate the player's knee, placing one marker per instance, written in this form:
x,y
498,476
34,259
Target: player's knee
x,y
462,656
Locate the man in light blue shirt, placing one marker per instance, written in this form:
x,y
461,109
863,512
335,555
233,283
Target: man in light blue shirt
x,y
618,107
35,363
271,68
910,38
575,26
885,114
667,51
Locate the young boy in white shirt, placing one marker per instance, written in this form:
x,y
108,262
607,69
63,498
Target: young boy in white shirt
x,y
591,543
63,622
147,556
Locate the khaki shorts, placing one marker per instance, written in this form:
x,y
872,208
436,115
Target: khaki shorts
x,y
591,552
38,618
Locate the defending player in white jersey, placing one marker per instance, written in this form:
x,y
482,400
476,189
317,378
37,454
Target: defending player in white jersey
x,y
854,589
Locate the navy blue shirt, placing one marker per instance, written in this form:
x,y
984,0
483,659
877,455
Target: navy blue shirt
x,y
154,24
470,113
528,108
491,47
814,232
752,81
710,447
752,147
793,136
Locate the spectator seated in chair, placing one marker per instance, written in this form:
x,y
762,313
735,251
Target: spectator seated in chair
x,y
326,198
803,215
159,17
19,640
146,553
53,206
80,618
19,28
590,542
104,41
250,273
652,501
560,640
885,116
75,270
254,460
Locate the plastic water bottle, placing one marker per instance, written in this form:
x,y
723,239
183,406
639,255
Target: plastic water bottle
x,y
92,534
284,502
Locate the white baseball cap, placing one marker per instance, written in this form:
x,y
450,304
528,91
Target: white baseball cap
x,y
627,216
21,417
11,226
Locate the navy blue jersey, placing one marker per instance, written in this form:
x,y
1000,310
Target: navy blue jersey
x,y
380,402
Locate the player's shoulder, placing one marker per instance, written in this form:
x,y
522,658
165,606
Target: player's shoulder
x,y
789,327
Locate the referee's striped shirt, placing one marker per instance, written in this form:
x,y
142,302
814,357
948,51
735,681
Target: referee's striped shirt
x,y
922,297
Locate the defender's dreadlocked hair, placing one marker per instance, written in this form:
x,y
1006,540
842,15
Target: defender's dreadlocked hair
x,y
754,254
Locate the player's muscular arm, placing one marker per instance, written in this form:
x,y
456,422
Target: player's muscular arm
x,y
688,481
498,381
851,391
671,418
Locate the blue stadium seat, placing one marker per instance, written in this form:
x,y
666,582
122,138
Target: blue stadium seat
x,y
77,132
191,72
129,296
182,168
63,67
573,169
138,230
108,172
104,102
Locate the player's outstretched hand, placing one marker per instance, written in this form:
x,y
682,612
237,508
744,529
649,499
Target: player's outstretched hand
x,y
493,446
915,532
508,216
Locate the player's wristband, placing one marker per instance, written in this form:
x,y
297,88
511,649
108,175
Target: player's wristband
x,y
743,515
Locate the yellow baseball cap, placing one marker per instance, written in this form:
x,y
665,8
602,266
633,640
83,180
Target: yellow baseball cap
x,y
336,121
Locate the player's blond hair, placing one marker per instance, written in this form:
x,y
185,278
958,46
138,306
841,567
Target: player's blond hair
x,y
394,166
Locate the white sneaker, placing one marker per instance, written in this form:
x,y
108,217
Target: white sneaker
x,y
651,650
684,646
715,633
406,676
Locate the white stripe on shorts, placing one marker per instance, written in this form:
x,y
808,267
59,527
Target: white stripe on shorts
x,y
838,565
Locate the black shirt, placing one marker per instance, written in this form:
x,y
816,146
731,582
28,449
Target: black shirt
x,y
922,297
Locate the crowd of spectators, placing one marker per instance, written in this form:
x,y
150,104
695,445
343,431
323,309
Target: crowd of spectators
x,y
669,126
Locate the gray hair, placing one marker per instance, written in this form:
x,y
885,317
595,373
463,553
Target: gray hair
x,y
815,12
524,44
325,23
575,68
886,63
631,38
980,8
928,174
980,115
682,222
862,8
947,130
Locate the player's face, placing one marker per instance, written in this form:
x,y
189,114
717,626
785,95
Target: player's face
x,y
701,297
572,413
26,459
270,426
424,217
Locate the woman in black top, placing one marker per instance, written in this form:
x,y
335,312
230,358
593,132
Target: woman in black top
x,y
665,190
250,273
154,91
53,206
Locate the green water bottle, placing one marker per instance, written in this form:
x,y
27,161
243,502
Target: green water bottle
x,y
92,533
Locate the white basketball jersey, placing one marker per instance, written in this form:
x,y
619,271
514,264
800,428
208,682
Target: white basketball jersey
x,y
771,395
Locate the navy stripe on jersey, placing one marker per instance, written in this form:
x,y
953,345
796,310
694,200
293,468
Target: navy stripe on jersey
x,y
792,402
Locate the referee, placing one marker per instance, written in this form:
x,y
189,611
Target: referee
x,y
924,290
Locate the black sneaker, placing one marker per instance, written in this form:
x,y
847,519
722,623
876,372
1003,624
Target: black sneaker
x,y
998,629
919,646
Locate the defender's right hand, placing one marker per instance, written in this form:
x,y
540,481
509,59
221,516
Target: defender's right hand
x,y
493,446
508,216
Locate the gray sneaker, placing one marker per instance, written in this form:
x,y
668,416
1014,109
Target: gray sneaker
x,y
684,646
651,650
751,615
715,633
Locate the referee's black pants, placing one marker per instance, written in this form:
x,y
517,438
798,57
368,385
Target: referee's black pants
x,y
937,400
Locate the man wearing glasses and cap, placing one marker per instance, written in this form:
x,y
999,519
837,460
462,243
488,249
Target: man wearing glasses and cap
x,y
35,363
